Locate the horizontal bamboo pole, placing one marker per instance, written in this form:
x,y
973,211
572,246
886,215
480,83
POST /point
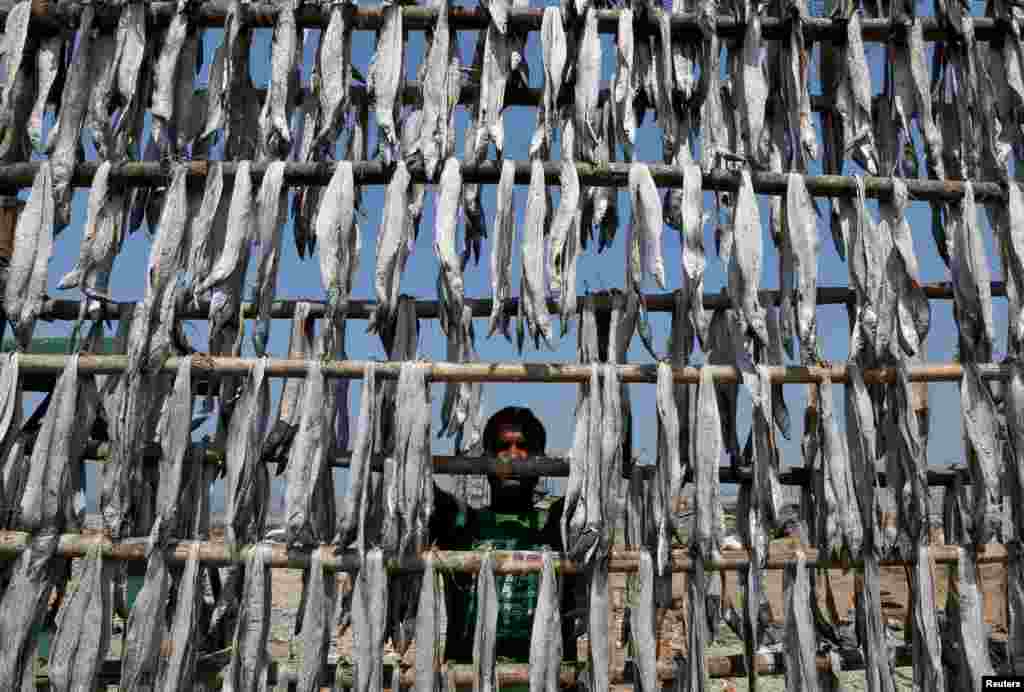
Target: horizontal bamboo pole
x,y
544,466
140,173
203,366
621,559
63,309
262,14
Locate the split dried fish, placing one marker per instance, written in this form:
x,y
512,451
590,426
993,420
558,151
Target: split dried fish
x,y
971,280
794,62
695,677
429,617
495,68
13,44
911,93
588,74
338,237
140,662
80,644
744,265
208,228
246,483
285,56
316,622
33,241
249,664
308,464
971,636
981,425
25,604
597,626
554,51
724,345
180,669
622,88
501,251
878,668
533,309
927,649
97,117
385,79
706,457
63,145
913,313
839,475
670,472
334,69
644,246
853,100
642,624
369,613
169,64
485,678
714,132
290,405
562,243
800,648
546,633
862,441
393,248
449,280
441,85
48,57
175,431
752,83
272,211
352,523
801,235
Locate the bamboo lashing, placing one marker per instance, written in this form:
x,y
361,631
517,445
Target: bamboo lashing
x,y
137,173
565,373
263,14
62,309
621,559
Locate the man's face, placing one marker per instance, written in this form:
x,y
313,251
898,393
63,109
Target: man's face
x,y
511,445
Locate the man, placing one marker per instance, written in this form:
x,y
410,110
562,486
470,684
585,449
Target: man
x,y
511,522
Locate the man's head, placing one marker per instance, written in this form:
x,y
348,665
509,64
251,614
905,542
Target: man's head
x,y
513,434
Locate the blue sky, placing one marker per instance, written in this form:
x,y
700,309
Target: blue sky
x,y
553,403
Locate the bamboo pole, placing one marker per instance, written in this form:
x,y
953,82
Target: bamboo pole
x,y
62,309
139,173
622,559
536,467
564,373
263,14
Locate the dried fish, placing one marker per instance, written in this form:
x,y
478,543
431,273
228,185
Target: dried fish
x,y
853,100
272,212
385,79
801,235
249,664
752,83
644,246
175,431
101,237
290,405
501,251
913,313
306,467
208,227
982,433
334,69
369,613
799,651
724,345
429,617
839,474
33,240
24,606
441,86
622,88
140,661
495,67
13,44
338,237
449,280
352,523
642,624
64,141
562,248
285,56
180,669
695,677
546,633
48,57
554,51
670,473
246,483
485,677
588,74
927,651
744,264
597,626
393,248
316,622
971,280
794,64
533,310
104,68
80,644
971,636
706,457
714,133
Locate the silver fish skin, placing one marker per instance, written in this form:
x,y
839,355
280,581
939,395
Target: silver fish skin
x,y
316,622
97,199
145,628
82,639
622,86
239,232
708,449
290,407
369,613
48,57
33,244
385,79
490,127
533,300
485,634
753,85
131,54
912,94
338,240
714,133
971,280
334,67
744,268
449,281
853,100
501,251
204,231
795,63
801,673
13,45
588,75
428,628
839,473
555,54
165,73
272,211
175,433
970,626
97,118
982,431
801,235
913,315
351,524
306,465
180,670
249,666
63,143
670,472
245,437
644,251
275,116
393,247
561,249
546,635
440,85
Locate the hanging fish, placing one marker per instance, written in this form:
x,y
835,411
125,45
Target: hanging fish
x,y
97,117
102,235
546,632
927,651
744,265
533,309
982,433
307,462
384,80
82,639
839,474
971,280
248,669
794,62
285,53
246,483
48,58
394,244
494,74
970,623
14,39
449,280
644,248
562,236
554,51
714,133
799,651
369,613
334,69
706,457
752,87
501,251
272,211
180,670
441,85
351,525
913,314
911,93
588,74
25,605
289,406
33,240
429,616
801,235
175,433
144,632
207,229
670,472
338,239
853,100
485,677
